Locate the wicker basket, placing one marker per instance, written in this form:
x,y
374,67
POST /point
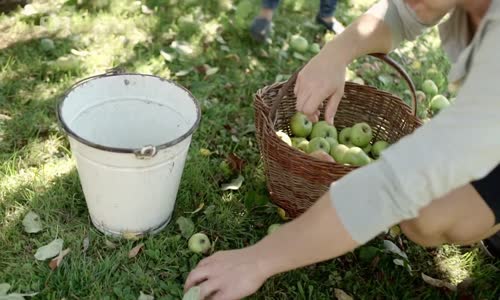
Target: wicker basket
x,y
296,180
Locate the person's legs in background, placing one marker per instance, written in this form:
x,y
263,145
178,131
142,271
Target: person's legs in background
x,y
326,18
261,25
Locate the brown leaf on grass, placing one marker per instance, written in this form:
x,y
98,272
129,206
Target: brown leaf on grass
x,y
235,162
438,283
56,262
133,253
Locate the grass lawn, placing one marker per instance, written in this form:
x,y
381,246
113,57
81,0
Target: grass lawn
x,y
205,46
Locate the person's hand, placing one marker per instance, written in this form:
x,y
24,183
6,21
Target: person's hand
x,y
322,78
227,275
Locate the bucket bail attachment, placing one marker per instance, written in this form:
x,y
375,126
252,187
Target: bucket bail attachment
x,y
146,152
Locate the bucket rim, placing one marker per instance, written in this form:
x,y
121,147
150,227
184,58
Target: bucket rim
x,y
84,141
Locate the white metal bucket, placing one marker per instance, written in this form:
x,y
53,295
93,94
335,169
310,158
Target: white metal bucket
x,y
129,134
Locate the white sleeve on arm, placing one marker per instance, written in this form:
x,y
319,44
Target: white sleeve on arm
x,y
459,145
402,21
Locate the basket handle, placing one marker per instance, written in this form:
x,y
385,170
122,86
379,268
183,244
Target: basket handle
x,y
384,57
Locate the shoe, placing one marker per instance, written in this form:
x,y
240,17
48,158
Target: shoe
x,y
491,245
260,30
335,26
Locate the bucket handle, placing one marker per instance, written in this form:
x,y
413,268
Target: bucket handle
x,y
146,152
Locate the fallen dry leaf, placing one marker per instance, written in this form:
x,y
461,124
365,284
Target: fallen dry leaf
x,y
133,253
341,295
200,207
131,236
32,223
391,247
86,244
110,244
186,226
234,185
438,283
235,162
50,250
143,296
56,262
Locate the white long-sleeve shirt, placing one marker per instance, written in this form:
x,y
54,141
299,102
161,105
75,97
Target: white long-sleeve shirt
x,y
460,145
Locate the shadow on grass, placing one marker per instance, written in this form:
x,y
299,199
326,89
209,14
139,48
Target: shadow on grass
x,y
29,90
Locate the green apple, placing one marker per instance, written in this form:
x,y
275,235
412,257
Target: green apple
x,y
300,125
199,243
303,146
284,137
324,130
345,135
47,45
332,141
378,147
439,102
315,48
338,153
420,96
361,134
273,228
429,87
367,148
297,140
318,143
358,80
299,43
356,156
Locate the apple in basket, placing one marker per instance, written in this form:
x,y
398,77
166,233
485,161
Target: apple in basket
x,y
338,153
300,125
284,137
361,134
300,143
378,147
356,156
332,141
324,130
345,136
322,155
318,143
199,243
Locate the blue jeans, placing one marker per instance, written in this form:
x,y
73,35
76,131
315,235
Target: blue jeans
x,y
326,7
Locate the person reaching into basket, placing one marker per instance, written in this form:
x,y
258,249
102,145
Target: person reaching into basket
x,y
450,195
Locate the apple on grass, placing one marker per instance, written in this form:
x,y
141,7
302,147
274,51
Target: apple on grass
x,y
345,136
429,87
361,134
338,153
324,130
318,143
357,157
378,147
300,125
438,103
199,243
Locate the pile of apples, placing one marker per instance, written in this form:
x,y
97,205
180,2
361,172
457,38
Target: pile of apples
x,y
350,146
